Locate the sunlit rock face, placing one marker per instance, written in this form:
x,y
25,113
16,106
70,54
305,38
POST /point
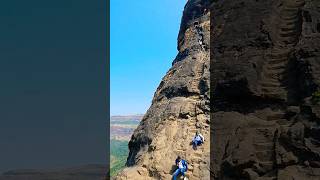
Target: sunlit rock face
x,y
180,107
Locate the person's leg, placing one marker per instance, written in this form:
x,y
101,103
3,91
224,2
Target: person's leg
x,y
183,172
176,174
195,145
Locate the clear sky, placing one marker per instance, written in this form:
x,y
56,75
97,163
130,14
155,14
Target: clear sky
x,y
143,45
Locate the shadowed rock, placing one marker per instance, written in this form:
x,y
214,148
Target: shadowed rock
x,y
265,67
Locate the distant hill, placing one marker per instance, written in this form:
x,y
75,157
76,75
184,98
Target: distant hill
x,y
127,117
121,129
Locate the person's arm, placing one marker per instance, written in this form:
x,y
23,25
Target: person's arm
x,y
201,137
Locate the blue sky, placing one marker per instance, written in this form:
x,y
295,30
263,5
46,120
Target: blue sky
x,y
143,45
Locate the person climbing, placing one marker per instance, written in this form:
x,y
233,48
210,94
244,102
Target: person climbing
x,y
197,140
182,168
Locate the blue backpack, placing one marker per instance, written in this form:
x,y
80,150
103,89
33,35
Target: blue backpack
x,y
185,164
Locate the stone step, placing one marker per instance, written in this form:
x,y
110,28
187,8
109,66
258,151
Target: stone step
x,y
288,34
294,5
270,79
274,74
291,16
276,95
274,54
265,155
288,18
195,160
193,130
289,29
272,89
273,69
283,122
283,44
290,25
288,39
264,146
290,7
267,178
276,116
278,60
198,152
262,140
267,165
276,66
270,84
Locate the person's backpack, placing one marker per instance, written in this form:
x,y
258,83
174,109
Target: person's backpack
x,y
185,164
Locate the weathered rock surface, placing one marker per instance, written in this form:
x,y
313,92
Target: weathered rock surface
x,y
180,107
265,62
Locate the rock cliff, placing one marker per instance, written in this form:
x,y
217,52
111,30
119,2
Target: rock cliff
x,y
180,107
265,62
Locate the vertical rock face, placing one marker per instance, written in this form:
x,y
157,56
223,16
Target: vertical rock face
x,y
180,107
265,62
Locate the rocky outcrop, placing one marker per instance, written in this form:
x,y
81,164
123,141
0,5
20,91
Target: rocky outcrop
x,y
180,107
265,64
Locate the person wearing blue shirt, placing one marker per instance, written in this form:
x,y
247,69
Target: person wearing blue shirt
x,y
182,168
197,140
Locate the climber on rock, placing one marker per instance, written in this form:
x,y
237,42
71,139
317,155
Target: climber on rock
x,y
197,140
182,168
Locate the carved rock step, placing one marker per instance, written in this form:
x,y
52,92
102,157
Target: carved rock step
x,y
275,95
266,178
277,65
270,83
287,39
263,134
264,146
270,79
272,76
294,4
283,122
267,165
278,60
273,89
193,130
290,25
275,54
290,16
274,73
265,155
288,34
196,160
276,116
288,29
